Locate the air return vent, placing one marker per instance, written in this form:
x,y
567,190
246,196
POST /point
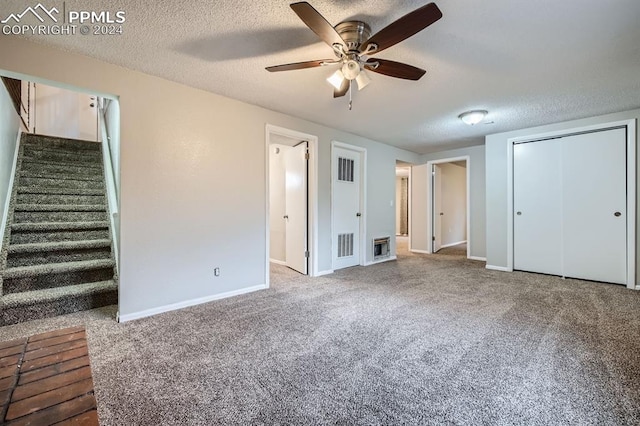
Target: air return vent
x,y
345,169
345,245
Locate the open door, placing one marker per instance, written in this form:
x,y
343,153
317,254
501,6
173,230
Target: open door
x,y
296,207
437,208
65,113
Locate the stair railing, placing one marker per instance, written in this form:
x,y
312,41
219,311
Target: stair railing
x,y
110,177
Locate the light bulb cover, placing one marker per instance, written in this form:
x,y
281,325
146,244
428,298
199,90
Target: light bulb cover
x,y
363,80
473,117
336,79
351,69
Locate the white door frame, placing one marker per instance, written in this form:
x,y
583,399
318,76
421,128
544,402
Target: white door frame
x,y
312,231
430,203
631,187
363,199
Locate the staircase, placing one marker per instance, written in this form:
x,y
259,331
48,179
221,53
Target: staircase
x,y
56,253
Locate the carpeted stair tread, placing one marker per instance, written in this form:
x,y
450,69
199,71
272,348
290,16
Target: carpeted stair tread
x,y
58,226
36,138
52,150
35,182
71,158
60,199
60,207
59,191
49,294
59,245
57,268
60,176
52,162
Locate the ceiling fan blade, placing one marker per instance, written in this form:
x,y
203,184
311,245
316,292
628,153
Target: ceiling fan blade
x,y
404,27
317,23
394,69
300,65
343,89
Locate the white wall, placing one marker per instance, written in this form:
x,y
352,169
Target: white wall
x,y
454,204
179,149
9,126
477,228
496,178
277,203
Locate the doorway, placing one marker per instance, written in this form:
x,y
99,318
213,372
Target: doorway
x,y
65,113
449,205
403,200
290,209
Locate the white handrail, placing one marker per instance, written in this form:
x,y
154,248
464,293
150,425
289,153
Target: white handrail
x,y
110,181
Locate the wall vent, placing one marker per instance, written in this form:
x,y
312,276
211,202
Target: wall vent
x,y
345,169
381,247
345,245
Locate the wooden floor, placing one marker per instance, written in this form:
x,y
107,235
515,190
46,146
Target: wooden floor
x,y
46,379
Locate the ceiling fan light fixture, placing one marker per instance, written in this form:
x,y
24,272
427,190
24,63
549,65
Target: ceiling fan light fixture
x,y
336,79
363,80
473,117
351,69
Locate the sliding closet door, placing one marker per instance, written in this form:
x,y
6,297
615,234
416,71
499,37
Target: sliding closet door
x,y
594,206
537,201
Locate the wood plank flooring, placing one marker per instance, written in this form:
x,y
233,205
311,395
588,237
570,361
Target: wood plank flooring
x,y
46,379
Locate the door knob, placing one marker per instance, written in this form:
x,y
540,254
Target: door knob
x,y
617,214
519,213
441,214
358,214
92,104
286,216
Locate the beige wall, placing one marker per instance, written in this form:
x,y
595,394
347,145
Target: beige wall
x,y
179,146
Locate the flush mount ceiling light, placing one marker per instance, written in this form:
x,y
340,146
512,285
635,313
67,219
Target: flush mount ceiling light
x,y
473,117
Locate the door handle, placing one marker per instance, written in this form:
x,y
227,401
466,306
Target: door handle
x,y
441,214
92,104
286,216
519,213
358,214
617,214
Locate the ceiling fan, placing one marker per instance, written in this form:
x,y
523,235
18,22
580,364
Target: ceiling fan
x,y
353,46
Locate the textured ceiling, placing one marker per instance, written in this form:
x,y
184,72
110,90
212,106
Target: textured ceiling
x,y
527,62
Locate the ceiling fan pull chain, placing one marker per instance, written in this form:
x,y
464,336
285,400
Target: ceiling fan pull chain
x,y
350,100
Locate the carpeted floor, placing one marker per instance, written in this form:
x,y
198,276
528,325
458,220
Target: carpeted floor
x,y
429,339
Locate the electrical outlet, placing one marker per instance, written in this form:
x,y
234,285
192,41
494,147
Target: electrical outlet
x,y
216,272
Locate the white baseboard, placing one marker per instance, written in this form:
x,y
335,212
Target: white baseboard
x,y
188,303
453,244
327,272
386,259
278,262
419,251
482,259
498,268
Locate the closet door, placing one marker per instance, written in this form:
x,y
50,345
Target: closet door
x,y
537,202
594,206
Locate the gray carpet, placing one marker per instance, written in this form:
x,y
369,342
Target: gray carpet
x,y
429,339
56,254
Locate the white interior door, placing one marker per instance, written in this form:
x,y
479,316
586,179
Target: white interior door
x,y
437,212
594,208
64,113
296,207
346,207
537,207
